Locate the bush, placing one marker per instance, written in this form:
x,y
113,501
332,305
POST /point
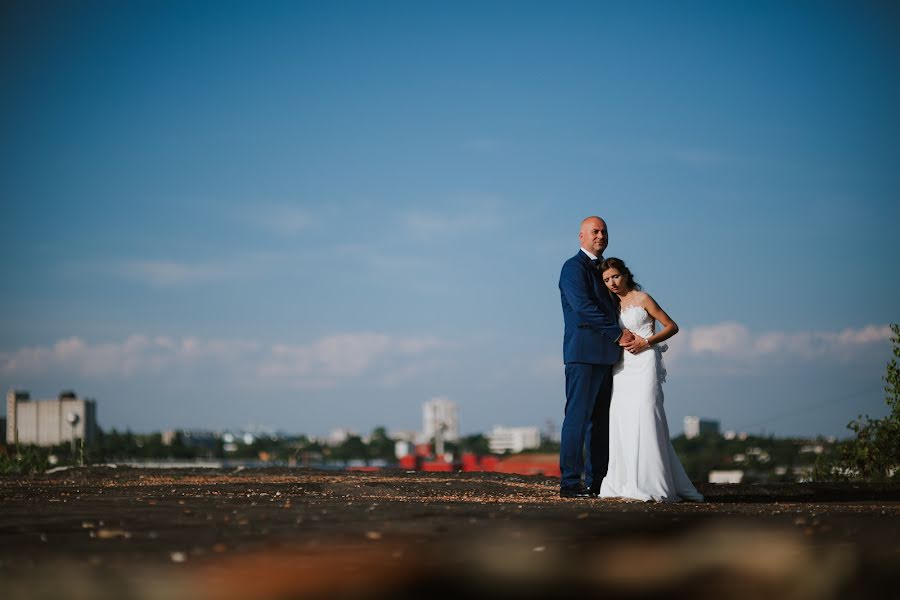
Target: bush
x,y
874,454
29,459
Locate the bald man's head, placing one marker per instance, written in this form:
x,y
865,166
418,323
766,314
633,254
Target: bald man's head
x,y
593,235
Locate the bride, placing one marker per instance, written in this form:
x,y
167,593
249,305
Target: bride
x,y
642,461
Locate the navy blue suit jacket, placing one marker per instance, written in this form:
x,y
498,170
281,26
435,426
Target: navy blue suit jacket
x,y
590,315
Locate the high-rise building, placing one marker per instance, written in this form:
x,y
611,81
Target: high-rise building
x,y
49,422
695,426
440,414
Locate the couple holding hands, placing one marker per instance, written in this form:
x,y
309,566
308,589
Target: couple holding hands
x,y
614,433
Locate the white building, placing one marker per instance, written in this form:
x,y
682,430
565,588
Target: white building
x,y
513,439
729,476
49,422
340,435
440,414
406,435
695,426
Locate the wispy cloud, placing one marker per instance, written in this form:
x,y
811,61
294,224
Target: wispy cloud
x,y
423,225
379,261
166,273
281,219
169,273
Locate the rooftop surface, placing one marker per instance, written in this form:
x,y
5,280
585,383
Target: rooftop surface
x,y
289,533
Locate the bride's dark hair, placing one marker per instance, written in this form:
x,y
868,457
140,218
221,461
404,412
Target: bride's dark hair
x,y
619,265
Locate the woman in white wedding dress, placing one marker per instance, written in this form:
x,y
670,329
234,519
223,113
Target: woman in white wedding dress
x,y
642,462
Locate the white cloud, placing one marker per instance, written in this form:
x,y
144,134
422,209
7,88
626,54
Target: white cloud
x,y
388,360
724,338
135,355
729,346
322,363
342,356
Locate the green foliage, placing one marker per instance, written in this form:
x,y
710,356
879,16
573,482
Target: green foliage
x,y
476,444
114,445
352,448
25,460
874,455
380,445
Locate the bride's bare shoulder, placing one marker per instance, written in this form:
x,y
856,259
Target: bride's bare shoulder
x,y
646,300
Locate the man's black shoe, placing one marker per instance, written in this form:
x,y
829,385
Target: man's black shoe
x,y
574,492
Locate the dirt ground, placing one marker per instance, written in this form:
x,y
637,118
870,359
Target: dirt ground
x,y
295,533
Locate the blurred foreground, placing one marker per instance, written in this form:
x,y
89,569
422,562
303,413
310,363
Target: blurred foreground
x,y
296,533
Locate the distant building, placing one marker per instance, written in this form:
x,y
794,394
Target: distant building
x,y
731,476
440,414
513,439
551,432
404,448
406,435
695,426
49,422
338,436
2,430
191,438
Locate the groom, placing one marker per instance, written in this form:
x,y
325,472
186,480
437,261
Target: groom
x,y
592,344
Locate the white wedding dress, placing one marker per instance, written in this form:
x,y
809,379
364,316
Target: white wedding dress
x,y
642,463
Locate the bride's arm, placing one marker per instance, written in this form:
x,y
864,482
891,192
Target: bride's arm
x,y
669,327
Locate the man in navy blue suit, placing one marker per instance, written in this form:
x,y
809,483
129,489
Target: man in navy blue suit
x,y
592,344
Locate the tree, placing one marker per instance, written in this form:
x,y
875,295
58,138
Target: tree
x,y
875,453
351,448
475,443
381,446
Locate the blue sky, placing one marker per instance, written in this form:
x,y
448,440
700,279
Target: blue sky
x,y
320,215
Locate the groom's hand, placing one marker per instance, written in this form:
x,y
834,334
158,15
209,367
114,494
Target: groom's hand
x,y
627,338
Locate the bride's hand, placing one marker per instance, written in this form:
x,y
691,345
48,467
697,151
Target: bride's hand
x,y
637,345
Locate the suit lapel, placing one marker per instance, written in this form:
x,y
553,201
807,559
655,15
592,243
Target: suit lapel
x,y
595,275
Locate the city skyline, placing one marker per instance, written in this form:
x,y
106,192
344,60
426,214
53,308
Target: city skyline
x,y
321,216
